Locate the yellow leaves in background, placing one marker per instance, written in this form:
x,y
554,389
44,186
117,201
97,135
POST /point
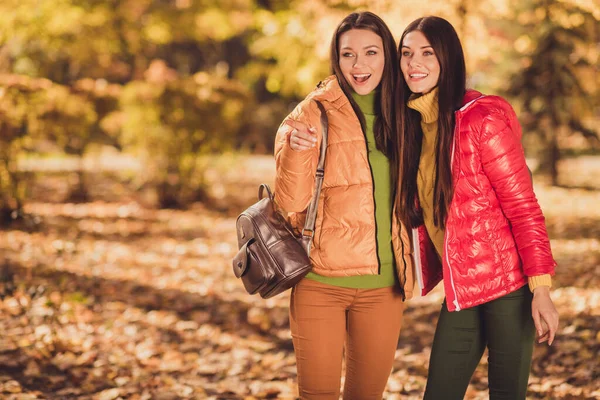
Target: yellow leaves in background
x,y
48,110
273,83
556,14
565,19
158,31
298,43
524,44
219,25
170,123
66,22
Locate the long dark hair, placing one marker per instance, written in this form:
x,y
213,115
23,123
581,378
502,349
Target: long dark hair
x,y
384,126
451,90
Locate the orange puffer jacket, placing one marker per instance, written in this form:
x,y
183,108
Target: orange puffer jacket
x,y
345,242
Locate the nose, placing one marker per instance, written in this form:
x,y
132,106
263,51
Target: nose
x,y
359,61
414,61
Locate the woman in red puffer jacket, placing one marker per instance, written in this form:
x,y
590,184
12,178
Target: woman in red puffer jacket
x,y
467,194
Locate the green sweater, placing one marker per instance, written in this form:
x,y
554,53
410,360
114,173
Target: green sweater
x,y
380,169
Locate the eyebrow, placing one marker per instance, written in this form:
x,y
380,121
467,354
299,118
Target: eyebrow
x,y
423,47
364,48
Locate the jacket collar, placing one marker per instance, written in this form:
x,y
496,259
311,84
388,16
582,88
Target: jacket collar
x,y
469,98
329,90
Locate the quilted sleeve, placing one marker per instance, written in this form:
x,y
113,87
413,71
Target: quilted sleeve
x,y
295,170
503,162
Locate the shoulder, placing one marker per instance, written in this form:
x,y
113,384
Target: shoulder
x,y
329,93
485,105
487,116
486,110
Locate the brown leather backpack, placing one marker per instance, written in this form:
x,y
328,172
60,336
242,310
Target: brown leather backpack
x,y
272,257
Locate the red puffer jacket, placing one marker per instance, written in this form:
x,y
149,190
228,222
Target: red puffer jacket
x,y
495,233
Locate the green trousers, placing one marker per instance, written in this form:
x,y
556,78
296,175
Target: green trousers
x,y
505,326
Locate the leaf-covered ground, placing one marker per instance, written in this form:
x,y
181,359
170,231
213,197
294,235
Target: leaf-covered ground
x,y
110,300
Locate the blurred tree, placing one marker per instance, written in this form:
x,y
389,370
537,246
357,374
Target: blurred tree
x,y
32,112
115,40
463,7
557,78
290,47
92,45
15,96
171,122
104,97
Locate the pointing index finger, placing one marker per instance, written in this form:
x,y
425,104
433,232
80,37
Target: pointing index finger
x,y
300,126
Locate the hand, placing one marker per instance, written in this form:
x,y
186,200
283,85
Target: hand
x,y
301,137
544,315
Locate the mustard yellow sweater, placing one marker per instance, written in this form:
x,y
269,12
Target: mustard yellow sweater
x,y
427,106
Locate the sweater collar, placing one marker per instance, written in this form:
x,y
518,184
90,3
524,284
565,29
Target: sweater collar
x,y
426,105
366,102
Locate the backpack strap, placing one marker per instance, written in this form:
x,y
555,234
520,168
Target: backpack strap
x,y
261,190
311,215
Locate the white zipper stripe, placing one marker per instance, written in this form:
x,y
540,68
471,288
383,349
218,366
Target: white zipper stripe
x,y
471,102
417,252
455,301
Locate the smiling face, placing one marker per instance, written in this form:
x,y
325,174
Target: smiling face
x,y
419,64
361,59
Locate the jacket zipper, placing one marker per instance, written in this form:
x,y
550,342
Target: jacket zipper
x,y
402,255
455,300
403,259
374,204
417,254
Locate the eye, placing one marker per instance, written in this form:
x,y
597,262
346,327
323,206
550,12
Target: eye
x,y
371,52
347,54
428,53
405,53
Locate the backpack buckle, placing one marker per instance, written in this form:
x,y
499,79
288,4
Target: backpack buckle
x,y
308,232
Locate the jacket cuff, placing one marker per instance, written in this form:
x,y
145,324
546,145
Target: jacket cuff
x,y
540,280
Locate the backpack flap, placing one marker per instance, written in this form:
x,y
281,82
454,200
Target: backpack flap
x,y
240,261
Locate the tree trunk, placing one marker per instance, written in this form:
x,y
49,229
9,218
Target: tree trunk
x,y
462,10
554,158
80,193
169,195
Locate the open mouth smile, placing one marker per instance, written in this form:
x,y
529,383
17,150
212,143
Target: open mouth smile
x,y
361,78
417,76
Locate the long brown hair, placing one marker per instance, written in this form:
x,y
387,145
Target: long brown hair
x,y
384,126
451,90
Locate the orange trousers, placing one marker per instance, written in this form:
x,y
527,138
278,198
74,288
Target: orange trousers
x,y
323,318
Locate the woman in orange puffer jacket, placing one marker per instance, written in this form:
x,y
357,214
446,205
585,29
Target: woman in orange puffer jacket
x,y
468,195
353,299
